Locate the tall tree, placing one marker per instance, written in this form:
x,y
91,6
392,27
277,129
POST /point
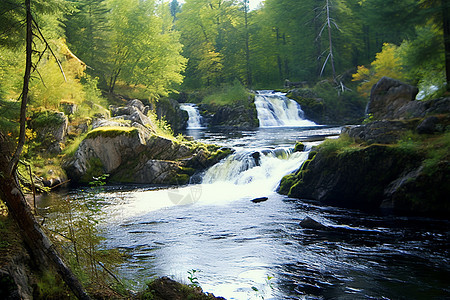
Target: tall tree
x,y
88,31
247,41
144,50
10,190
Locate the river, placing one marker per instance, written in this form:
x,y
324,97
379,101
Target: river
x,y
246,250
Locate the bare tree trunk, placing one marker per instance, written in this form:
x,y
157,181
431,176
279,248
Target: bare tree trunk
x,y
247,48
330,41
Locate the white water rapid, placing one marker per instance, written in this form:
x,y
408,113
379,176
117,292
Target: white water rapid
x,y
195,119
246,174
276,110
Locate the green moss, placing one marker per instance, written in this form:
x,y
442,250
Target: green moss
x,y
228,95
112,131
95,169
179,179
437,151
299,147
335,146
46,118
286,183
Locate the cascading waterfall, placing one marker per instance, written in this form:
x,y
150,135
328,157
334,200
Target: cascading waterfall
x,y
276,110
246,174
257,171
195,120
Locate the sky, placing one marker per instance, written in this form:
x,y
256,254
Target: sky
x,y
254,3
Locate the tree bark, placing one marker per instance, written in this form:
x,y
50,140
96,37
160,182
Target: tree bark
x,y
446,27
247,48
12,166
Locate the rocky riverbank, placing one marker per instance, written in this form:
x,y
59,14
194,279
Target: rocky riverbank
x,y
398,162
131,149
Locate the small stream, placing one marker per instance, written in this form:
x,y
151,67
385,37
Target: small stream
x,y
246,250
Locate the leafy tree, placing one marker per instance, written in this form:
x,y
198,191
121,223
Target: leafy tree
x,y
213,30
87,32
387,63
144,50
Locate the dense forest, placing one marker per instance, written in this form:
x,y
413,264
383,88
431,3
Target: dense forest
x,y
75,61
167,47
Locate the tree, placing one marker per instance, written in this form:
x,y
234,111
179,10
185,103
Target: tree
x,y
387,63
10,190
87,32
144,49
412,14
247,41
208,27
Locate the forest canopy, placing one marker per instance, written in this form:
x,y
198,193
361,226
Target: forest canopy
x,y
168,46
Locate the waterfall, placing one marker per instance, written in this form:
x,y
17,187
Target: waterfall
x,y
276,110
195,119
259,171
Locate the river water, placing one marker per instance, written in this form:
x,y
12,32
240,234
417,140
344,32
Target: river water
x,y
246,250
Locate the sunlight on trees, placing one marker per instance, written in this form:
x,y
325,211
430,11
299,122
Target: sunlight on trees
x,y
387,63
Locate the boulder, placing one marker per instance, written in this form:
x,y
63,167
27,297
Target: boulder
x,y
127,148
388,96
380,132
169,110
428,125
51,129
260,199
355,179
310,223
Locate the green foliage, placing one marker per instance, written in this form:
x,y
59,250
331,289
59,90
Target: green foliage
x,y
72,147
424,60
9,116
228,94
50,286
333,146
387,63
437,152
144,50
193,278
98,181
76,219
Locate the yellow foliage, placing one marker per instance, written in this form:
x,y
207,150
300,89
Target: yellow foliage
x,y
387,63
361,74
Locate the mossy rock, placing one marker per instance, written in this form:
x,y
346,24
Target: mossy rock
x,y
299,147
112,131
165,288
95,169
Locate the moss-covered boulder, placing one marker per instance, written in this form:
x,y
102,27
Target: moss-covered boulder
x,y
165,288
355,179
131,150
50,128
410,176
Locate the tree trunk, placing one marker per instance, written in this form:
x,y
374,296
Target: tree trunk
x,y
446,25
330,41
247,48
